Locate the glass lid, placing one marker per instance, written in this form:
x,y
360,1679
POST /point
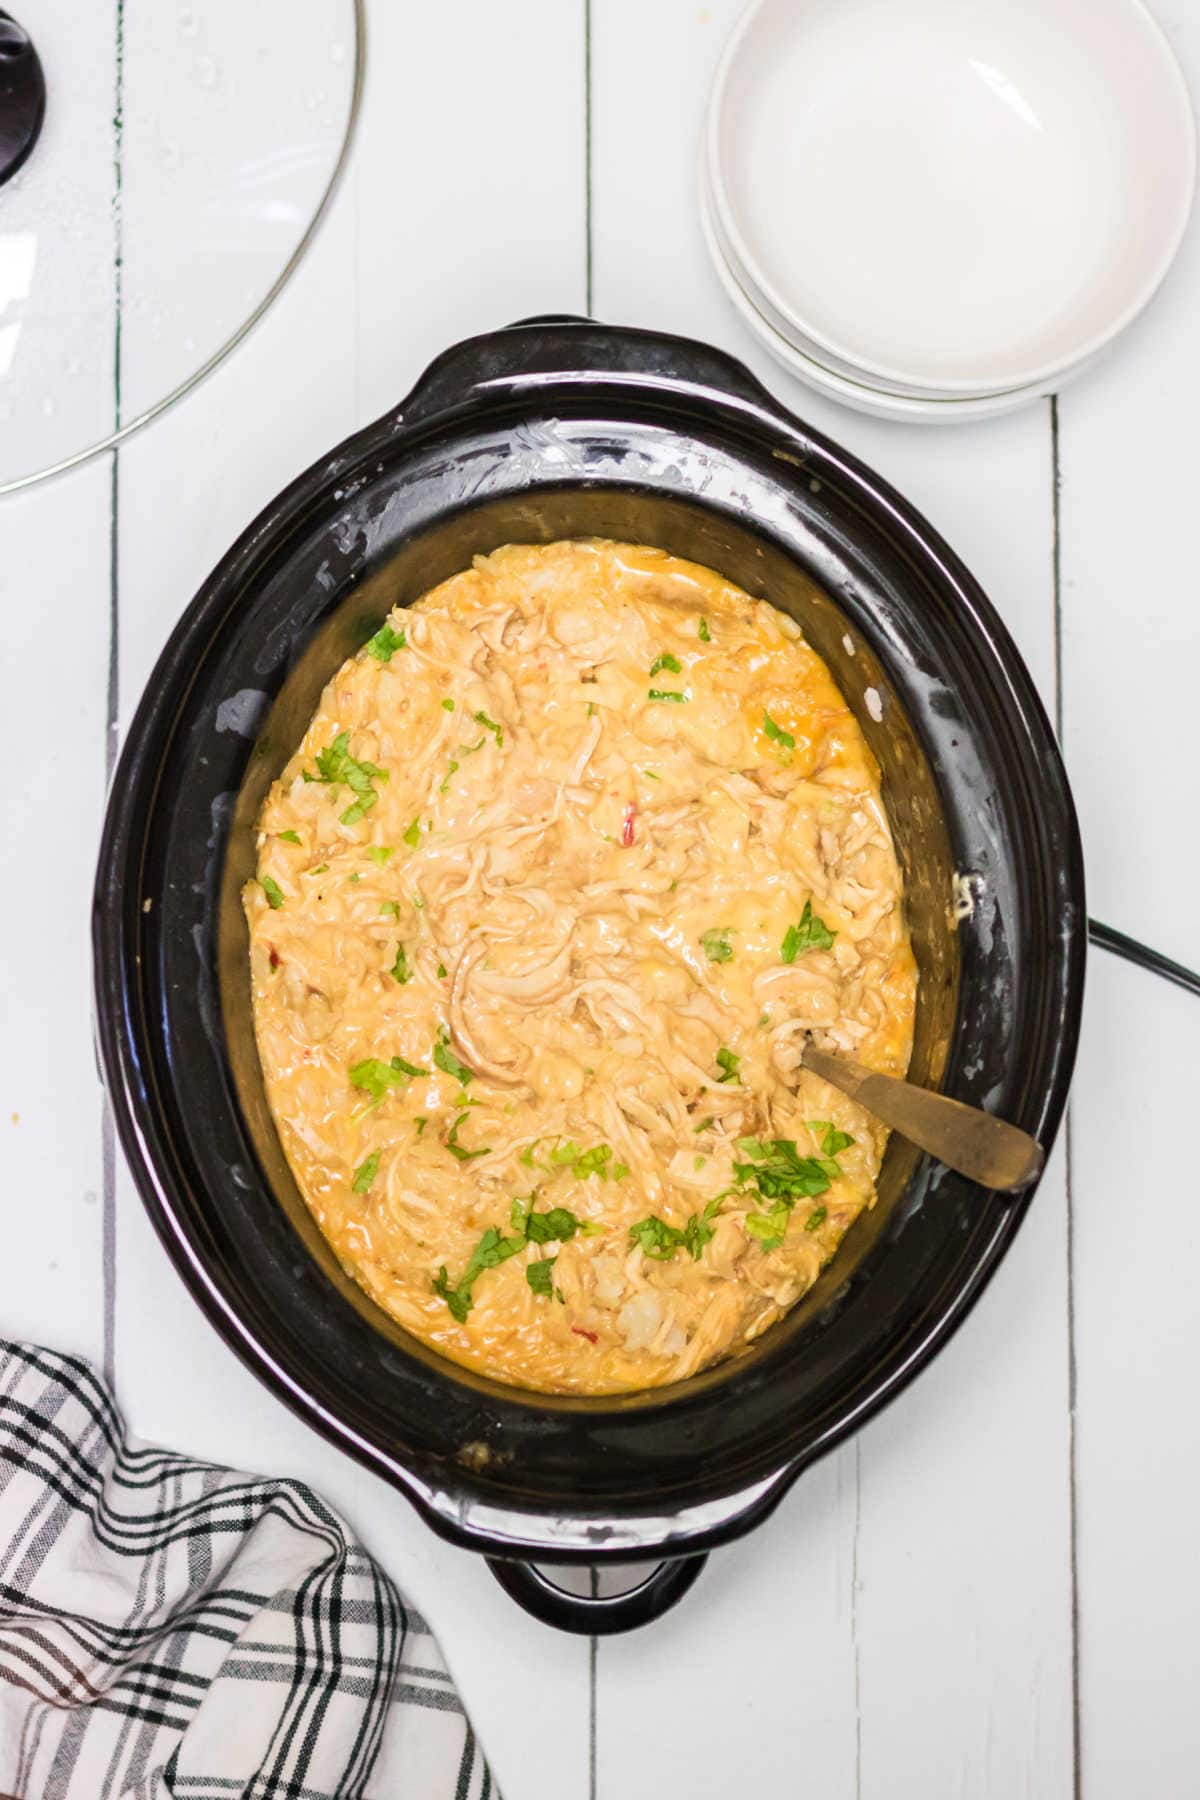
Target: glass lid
x,y
163,166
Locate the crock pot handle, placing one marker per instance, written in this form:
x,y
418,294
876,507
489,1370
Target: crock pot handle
x,y
597,1615
553,345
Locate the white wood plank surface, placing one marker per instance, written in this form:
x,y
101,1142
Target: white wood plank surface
x,y
903,1627
1131,633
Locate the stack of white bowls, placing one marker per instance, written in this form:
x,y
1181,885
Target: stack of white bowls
x,y
943,209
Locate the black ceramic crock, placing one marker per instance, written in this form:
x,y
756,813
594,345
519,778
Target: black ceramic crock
x,y
551,429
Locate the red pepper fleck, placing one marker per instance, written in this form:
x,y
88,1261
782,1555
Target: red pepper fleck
x,y
274,956
627,827
580,1331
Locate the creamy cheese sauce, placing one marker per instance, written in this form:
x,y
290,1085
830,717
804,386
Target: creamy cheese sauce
x,y
573,855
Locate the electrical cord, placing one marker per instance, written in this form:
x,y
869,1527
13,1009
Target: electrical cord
x,y
1105,938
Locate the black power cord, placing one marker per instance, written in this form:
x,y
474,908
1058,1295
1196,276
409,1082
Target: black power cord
x,y
1105,938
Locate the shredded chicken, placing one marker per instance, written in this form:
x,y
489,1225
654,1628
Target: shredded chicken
x,y
549,899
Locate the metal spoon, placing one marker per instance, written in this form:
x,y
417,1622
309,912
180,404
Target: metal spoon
x,y
986,1149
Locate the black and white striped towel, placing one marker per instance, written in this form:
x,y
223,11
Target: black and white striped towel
x,y
174,1631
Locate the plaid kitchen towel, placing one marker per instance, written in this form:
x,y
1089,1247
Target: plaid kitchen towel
x,y
172,1629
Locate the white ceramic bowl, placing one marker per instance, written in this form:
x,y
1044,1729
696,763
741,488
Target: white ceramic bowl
x,y
950,197
859,395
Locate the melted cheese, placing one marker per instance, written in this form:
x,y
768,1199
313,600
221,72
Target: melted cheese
x,y
552,850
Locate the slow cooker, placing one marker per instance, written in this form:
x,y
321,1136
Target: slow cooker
x,y
548,429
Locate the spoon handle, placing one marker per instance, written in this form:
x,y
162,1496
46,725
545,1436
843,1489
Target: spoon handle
x,y
985,1149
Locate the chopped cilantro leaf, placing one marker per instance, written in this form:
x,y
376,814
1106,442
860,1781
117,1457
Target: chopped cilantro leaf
x,y
705,633
667,694
540,1276
452,770
384,645
289,837
658,1240
671,663
655,1238
777,1170
810,934
400,970
456,1149
320,869
420,1124
412,834
442,971
833,1141
777,734
497,731
816,1218
769,1228
336,767
703,1125
391,909
375,1077
729,1063
446,1060
489,1253
407,1068
447,706
715,944
366,1172
273,891
379,853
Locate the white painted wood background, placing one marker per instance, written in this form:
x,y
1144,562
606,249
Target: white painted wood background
x,y
994,1591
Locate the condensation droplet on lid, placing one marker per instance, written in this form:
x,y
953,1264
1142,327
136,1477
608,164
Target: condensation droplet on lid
x,y
874,704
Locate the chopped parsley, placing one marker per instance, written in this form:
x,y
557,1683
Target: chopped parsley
x,y
777,734
442,971
384,645
705,633
412,834
558,1225
715,944
671,663
728,1063
400,970
658,1240
497,731
667,694
273,891
379,853
289,837
540,1276
366,1172
391,908
456,1149
447,706
336,766
810,934
449,1064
